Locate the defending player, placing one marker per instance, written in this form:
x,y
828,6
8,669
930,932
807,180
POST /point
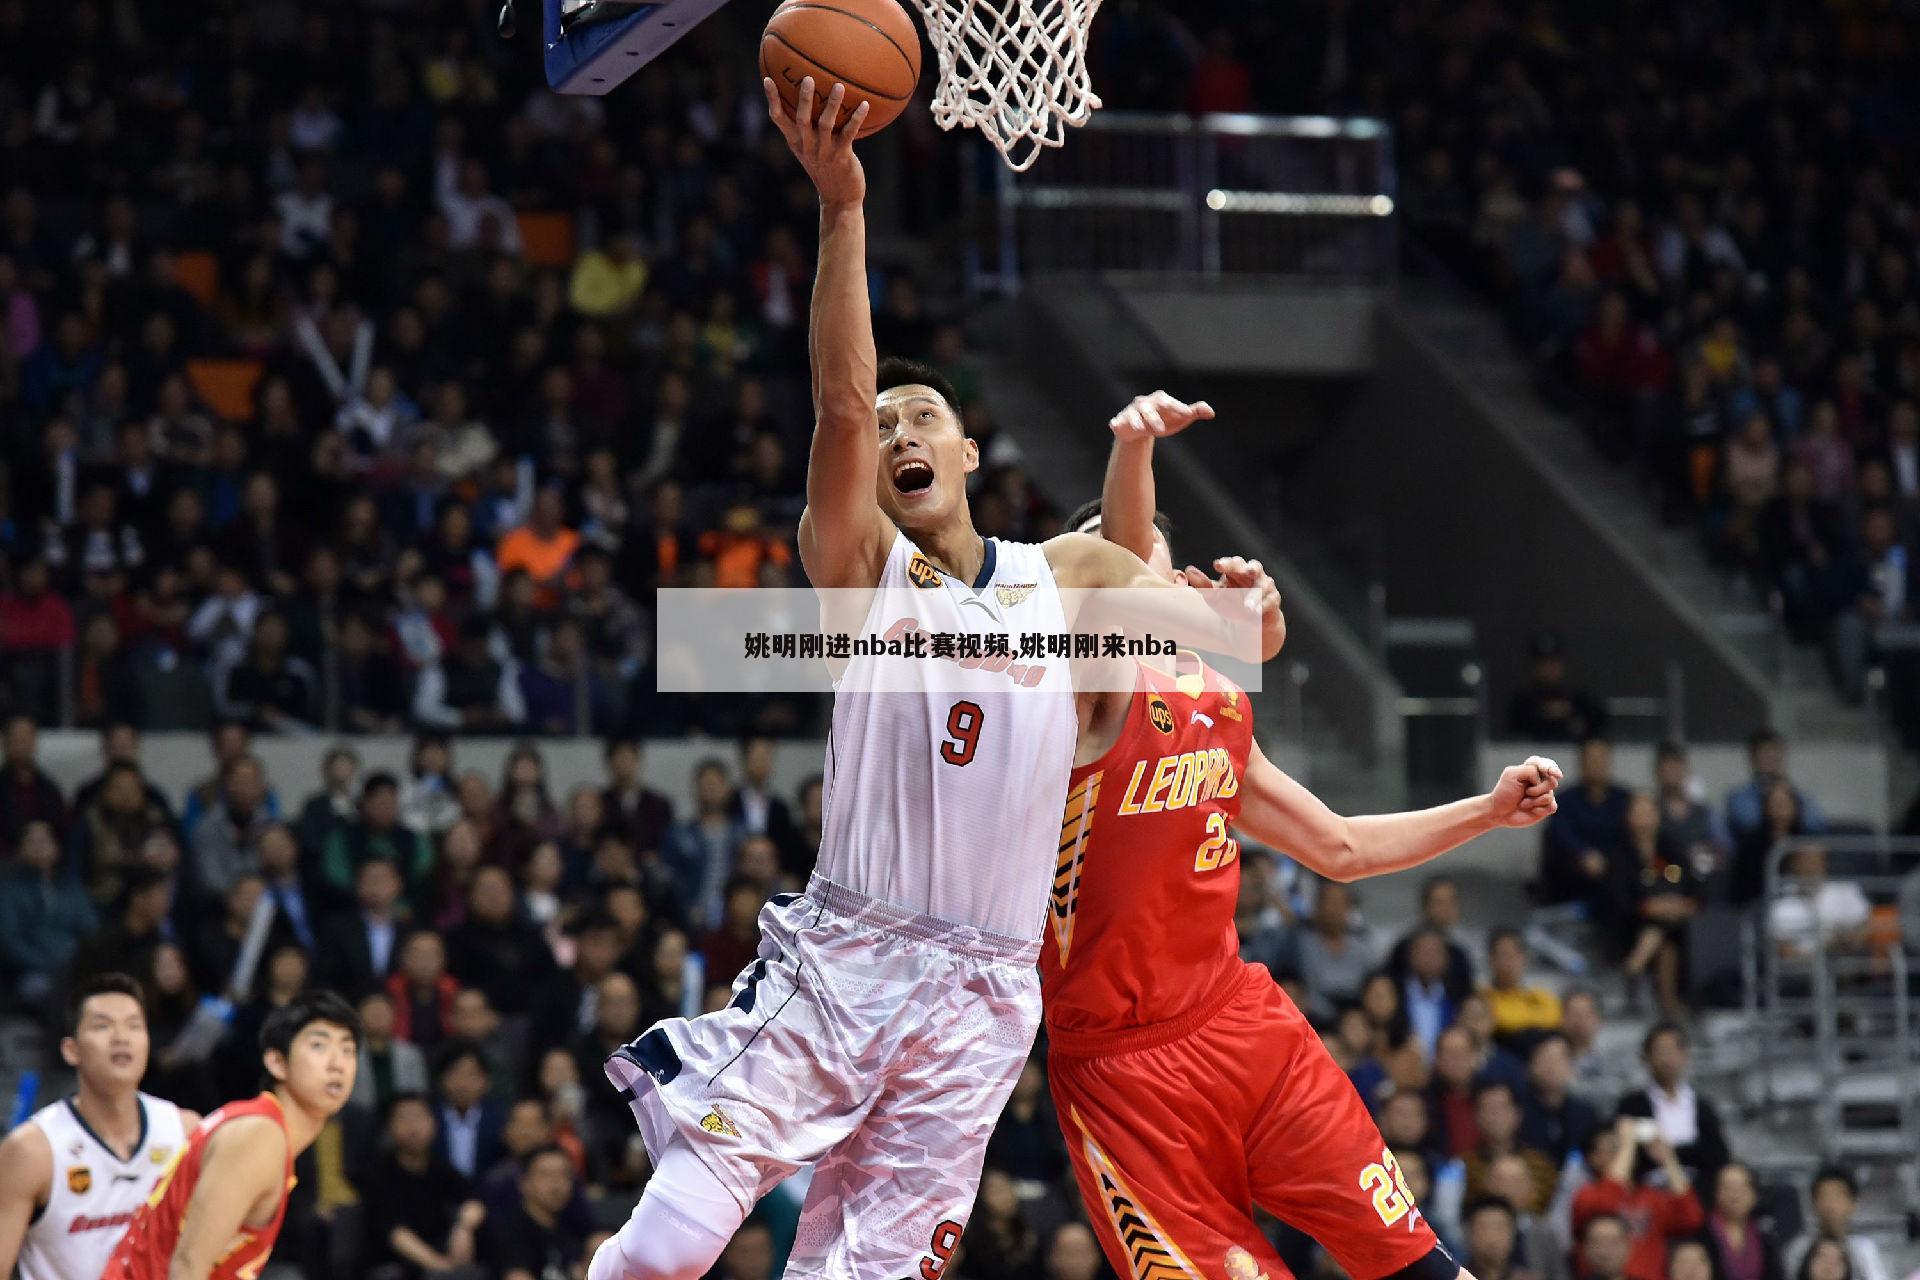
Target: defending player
x,y
1189,1087
72,1176
218,1207
893,1003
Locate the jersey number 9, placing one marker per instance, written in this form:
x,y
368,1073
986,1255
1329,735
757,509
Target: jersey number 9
x,y
963,733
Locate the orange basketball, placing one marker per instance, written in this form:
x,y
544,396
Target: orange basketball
x,y
871,46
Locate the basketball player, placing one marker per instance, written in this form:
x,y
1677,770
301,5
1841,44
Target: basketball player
x,y
1189,1087
894,1002
72,1176
218,1207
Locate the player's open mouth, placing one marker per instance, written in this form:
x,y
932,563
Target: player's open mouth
x,y
121,1059
912,476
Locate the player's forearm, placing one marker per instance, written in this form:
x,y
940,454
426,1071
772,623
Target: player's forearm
x,y
1127,498
840,334
1381,843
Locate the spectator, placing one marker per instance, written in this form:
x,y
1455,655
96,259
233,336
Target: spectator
x,y
282,882
1747,805
1334,959
1784,819
1491,1061
370,694
1690,1259
1492,1236
361,948
331,807
496,951
1428,999
1496,1118
1655,898
1546,708
749,1255
1026,1142
27,794
470,1121
1554,1120
389,1067
532,1240
1815,912
1592,819
229,740
421,1215
1404,1123
1000,1238
44,916
139,924
699,850
470,690
111,831
1074,1254
226,843
422,991
759,811
1660,1214
543,547
1450,1104
1439,913
378,835
1826,1259
36,623
1835,1196
1741,1248
1688,1122
1520,1012
1605,1246
1687,822
120,744
562,692
732,946
427,803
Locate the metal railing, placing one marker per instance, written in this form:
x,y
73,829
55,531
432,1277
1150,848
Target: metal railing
x,y
1847,1010
1300,196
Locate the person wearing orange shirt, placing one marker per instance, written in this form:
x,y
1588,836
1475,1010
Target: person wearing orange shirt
x,y
543,546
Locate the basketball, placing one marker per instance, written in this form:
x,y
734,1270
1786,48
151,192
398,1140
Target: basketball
x,y
871,46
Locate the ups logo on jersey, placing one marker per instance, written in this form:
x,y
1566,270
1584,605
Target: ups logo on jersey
x,y
921,573
79,1179
1159,714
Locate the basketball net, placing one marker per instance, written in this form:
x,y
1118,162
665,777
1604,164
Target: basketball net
x,y
1016,70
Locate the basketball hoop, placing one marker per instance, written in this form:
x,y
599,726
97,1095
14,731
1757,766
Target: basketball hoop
x,y
1016,70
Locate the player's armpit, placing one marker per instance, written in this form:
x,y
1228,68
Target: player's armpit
x,y
245,1162
26,1173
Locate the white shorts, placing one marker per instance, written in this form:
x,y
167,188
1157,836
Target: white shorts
x,y
880,1043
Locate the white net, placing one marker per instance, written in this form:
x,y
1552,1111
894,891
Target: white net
x,y
1016,70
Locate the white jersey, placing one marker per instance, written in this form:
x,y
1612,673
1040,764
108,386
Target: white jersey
x,y
94,1193
944,799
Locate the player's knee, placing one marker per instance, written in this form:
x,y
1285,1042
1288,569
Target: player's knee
x,y
659,1243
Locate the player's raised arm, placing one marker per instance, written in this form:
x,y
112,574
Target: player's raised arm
x,y
245,1161
1127,500
1234,615
1276,810
26,1170
843,534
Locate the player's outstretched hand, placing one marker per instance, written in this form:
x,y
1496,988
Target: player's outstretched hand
x,y
1248,575
826,153
1157,414
1524,794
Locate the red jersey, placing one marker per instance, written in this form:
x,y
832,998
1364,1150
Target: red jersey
x,y
1140,924
146,1251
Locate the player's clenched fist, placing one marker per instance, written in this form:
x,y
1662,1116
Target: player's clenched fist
x,y
1248,575
1157,414
1524,794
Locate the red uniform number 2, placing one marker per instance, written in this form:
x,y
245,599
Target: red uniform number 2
x,y
963,727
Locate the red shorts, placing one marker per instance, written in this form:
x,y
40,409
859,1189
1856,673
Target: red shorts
x,y
1177,1132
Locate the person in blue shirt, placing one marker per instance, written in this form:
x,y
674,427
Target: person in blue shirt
x,y
1747,804
1587,834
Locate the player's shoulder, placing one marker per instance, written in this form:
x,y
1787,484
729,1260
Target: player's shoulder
x,y
1075,558
241,1134
26,1157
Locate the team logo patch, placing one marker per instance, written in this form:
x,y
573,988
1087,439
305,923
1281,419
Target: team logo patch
x,y
159,1154
1159,715
79,1179
714,1122
1011,596
921,573
1241,1266
1229,703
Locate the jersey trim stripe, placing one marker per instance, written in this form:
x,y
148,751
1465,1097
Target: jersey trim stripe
x,y
1076,830
88,1130
1151,1255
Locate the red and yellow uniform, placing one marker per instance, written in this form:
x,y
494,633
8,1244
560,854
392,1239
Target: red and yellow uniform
x,y
146,1251
1189,1087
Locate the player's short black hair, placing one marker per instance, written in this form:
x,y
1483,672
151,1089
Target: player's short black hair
x,y
102,984
1089,510
897,371
284,1025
